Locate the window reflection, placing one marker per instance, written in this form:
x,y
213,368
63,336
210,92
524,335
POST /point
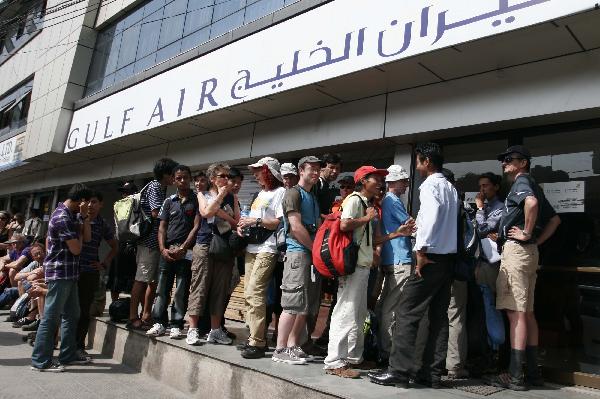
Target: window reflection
x,y
161,29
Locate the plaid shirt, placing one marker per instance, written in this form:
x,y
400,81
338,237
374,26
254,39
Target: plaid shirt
x,y
101,230
152,199
60,263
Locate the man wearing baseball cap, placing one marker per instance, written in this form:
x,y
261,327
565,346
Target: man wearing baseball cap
x,y
301,294
428,289
527,221
289,174
346,337
396,256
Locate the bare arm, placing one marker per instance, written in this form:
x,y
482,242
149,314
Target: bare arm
x,y
298,231
162,235
531,210
208,210
191,238
75,245
353,224
549,230
114,249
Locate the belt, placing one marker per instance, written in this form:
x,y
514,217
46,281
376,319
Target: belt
x,y
441,257
528,242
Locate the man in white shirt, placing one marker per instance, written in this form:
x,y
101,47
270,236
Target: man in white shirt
x,y
428,289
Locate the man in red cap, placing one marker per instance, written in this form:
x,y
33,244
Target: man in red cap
x,y
346,337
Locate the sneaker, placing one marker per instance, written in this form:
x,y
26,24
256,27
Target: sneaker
x,y
81,353
343,372
299,353
311,349
192,337
79,360
156,331
242,345
229,333
287,355
253,352
32,326
52,368
24,321
218,336
175,333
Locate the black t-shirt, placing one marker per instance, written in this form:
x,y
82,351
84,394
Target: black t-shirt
x,y
179,217
513,213
325,195
205,232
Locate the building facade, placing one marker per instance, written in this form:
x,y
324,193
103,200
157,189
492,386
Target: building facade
x,y
95,91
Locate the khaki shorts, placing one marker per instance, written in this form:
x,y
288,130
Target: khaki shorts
x,y
515,286
147,264
299,294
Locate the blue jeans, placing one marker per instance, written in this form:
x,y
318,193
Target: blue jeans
x,y
62,304
169,272
9,295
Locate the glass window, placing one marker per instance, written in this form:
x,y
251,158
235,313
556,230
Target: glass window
x,y
261,8
161,29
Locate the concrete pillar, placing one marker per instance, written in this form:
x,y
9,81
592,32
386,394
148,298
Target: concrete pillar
x,y
54,200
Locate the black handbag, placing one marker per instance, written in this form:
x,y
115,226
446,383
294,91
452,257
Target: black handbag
x,y
257,234
219,247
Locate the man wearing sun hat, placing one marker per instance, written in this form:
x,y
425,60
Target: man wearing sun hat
x,y
396,256
346,337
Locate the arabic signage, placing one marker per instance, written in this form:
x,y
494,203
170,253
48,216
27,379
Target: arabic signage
x,y
336,39
566,197
11,151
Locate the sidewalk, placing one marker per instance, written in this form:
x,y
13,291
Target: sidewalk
x,y
104,378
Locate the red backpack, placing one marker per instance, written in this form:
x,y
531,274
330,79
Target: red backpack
x,y
334,251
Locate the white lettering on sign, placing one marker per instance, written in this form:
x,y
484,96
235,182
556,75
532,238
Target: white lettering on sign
x,y
336,39
11,151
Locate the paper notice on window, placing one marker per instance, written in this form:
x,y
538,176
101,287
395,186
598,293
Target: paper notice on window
x,y
566,197
470,196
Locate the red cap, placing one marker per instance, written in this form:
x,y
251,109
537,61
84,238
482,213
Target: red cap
x,y
367,170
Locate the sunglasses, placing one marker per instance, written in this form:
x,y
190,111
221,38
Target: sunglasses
x,y
509,159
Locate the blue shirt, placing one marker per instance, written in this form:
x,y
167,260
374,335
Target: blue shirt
x,y
399,250
297,199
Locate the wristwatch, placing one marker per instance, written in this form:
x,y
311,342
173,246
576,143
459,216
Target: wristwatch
x,y
258,222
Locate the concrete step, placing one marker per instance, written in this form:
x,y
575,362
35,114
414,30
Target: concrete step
x,y
218,371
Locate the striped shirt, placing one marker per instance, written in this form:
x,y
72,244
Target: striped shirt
x,y
152,200
60,263
101,230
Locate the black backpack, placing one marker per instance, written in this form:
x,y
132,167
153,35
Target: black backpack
x,y
119,309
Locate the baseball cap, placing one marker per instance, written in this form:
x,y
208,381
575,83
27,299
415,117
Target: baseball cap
x,y
271,163
128,187
308,159
396,172
367,170
288,169
346,179
518,149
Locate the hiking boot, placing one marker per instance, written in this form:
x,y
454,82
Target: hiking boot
x,y
218,336
32,326
242,345
343,372
286,355
156,331
533,376
507,382
253,352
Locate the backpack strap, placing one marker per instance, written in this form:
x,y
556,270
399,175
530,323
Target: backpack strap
x,y
368,225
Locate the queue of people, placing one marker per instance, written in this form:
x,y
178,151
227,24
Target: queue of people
x,y
412,275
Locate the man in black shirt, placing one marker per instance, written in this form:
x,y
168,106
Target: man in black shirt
x,y
527,221
330,170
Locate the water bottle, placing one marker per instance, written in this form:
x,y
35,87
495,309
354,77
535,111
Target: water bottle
x,y
244,213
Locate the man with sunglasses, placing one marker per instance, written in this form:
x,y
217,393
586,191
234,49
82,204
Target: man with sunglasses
x,y
527,221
